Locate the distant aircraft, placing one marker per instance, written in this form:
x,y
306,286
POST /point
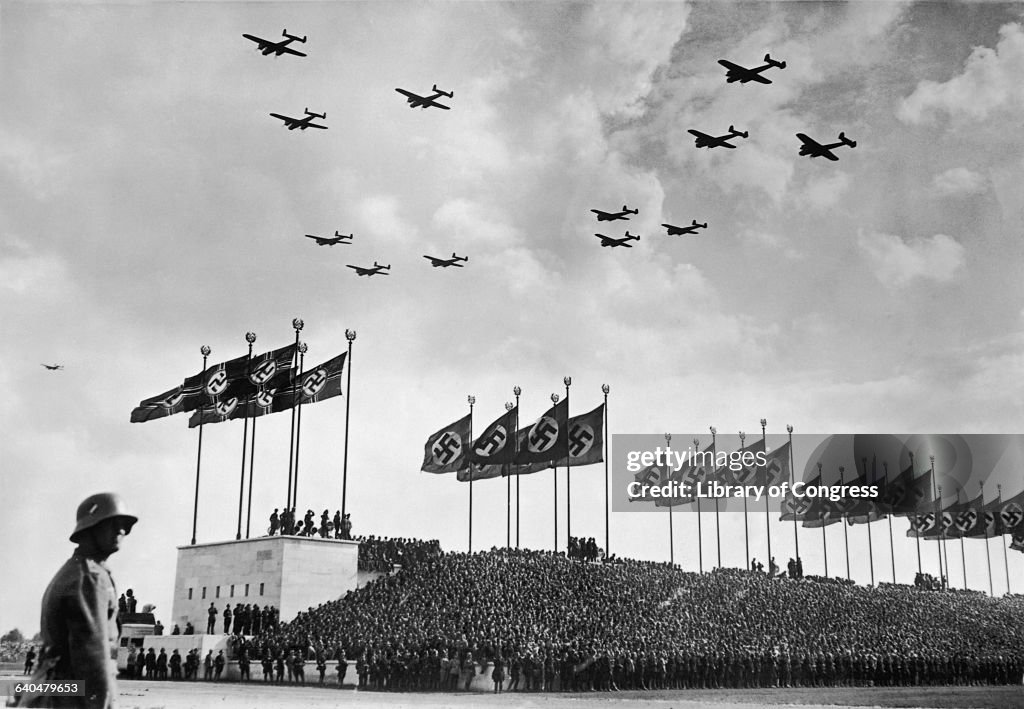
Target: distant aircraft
x,y
53,367
815,149
709,141
338,238
302,123
277,48
417,101
609,241
735,72
446,262
612,216
371,271
692,229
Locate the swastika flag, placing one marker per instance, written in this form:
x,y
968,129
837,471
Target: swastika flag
x,y
496,444
548,437
445,450
586,439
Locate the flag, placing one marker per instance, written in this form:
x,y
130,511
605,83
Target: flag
x,y
970,519
496,445
263,368
651,476
166,404
923,525
1010,515
865,510
215,413
547,437
896,493
476,471
260,401
742,472
206,388
515,468
445,449
586,439
919,495
700,468
797,508
320,382
1017,542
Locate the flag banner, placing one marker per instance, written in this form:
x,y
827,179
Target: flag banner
x,y
924,525
166,404
475,471
1010,514
777,469
747,472
321,382
1017,542
701,469
547,437
264,368
648,483
260,402
970,519
215,413
896,492
445,449
586,439
205,388
798,508
496,445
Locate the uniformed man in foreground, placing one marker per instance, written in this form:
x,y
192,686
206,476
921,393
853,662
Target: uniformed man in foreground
x,y
79,614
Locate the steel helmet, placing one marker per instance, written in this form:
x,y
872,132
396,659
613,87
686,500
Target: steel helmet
x,y
96,508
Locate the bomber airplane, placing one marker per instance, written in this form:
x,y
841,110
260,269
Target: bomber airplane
x,y
691,229
417,101
302,123
612,216
610,241
338,238
446,262
277,48
722,141
372,270
53,367
735,72
814,149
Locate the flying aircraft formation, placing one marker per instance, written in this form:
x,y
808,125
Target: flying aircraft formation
x,y
268,47
304,122
374,270
703,140
814,149
735,72
53,367
691,229
624,241
417,101
338,238
446,262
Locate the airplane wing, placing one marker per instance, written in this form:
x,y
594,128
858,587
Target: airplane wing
x,y
809,142
313,125
828,154
358,269
280,50
734,70
433,261
411,96
435,104
699,135
754,76
262,42
318,239
722,144
287,121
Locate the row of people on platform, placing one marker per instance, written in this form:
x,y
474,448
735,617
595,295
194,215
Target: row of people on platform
x,y
150,665
287,523
244,619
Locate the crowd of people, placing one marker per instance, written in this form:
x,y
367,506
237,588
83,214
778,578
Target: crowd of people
x,y
384,553
288,523
542,622
148,664
584,549
247,619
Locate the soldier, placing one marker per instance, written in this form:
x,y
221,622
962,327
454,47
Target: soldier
x,y
275,522
227,619
218,665
211,623
175,664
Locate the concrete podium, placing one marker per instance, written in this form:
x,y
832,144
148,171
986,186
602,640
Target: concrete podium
x,y
290,573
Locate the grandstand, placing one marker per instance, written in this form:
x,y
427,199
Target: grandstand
x,y
560,624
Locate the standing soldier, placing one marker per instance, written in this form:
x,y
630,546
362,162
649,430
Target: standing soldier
x,y
211,624
227,619
274,522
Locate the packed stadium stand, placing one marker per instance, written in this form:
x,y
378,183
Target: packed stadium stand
x,y
551,623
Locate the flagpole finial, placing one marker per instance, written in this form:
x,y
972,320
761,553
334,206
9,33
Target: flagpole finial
x,y
471,399
819,468
516,390
350,335
302,348
668,438
205,351
696,443
713,430
789,429
509,406
567,380
554,398
605,388
764,422
298,324
250,337
743,437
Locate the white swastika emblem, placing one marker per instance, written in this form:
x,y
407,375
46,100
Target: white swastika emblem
x,y
446,448
581,439
543,435
493,444
217,382
313,382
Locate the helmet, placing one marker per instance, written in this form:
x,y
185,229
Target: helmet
x,y
96,508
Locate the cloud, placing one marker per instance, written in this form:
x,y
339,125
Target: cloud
x,y
826,192
959,181
897,262
990,82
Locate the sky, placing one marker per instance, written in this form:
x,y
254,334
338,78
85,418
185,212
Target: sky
x,y
150,205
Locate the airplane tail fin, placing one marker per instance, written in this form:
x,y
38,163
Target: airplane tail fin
x,y
694,223
847,141
768,60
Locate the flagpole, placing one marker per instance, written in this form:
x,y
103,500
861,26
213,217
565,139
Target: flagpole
x,y
297,324
508,498
746,531
298,427
767,516
554,476
350,335
718,519
871,548
250,337
942,541
988,557
937,496
472,400
252,453
205,351
920,568
824,540
607,539
843,521
963,558
999,520
792,482
568,468
517,391
892,546
700,536
671,541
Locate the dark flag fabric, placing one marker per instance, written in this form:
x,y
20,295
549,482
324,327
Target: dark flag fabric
x,y
924,525
166,404
206,388
919,495
261,401
216,413
688,476
797,508
651,476
1010,515
970,519
896,498
749,473
777,467
1017,542
320,382
546,439
445,449
264,368
496,445
476,471
586,439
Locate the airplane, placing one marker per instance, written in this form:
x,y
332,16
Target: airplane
x,y
692,229
53,367
302,123
815,149
277,48
742,74
446,262
709,141
338,238
416,101
371,271
609,241
612,216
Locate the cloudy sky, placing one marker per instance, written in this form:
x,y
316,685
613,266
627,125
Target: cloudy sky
x,y
150,205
